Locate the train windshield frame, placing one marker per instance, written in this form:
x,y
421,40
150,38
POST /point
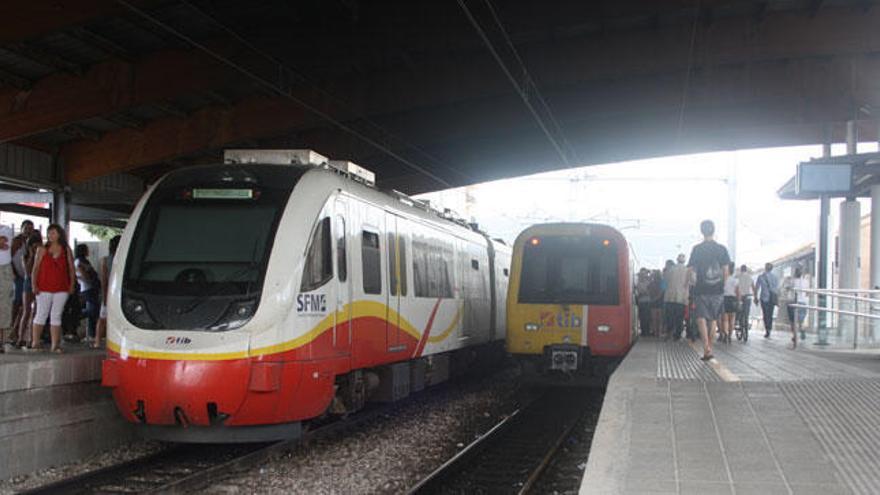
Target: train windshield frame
x,y
570,269
209,230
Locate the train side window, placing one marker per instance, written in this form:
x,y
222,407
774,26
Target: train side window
x,y
319,259
393,267
432,267
371,257
401,251
475,264
341,256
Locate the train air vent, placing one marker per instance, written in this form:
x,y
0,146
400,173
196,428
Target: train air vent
x,y
354,171
274,157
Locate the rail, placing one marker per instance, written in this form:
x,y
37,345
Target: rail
x,y
855,322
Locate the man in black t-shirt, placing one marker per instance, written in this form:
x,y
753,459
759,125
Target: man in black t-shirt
x,y
708,261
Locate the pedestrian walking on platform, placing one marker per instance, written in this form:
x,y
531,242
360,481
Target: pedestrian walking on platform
x,y
730,304
54,280
767,293
746,291
27,298
7,283
793,291
709,262
643,300
655,290
676,297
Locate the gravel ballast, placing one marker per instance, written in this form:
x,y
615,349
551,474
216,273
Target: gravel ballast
x,y
391,453
123,453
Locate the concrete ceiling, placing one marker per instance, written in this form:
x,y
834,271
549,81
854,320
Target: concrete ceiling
x,y
429,94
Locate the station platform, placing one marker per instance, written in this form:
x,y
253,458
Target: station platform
x,y
53,410
760,418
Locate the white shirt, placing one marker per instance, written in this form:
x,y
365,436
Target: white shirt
x,y
730,287
6,254
745,283
800,283
84,284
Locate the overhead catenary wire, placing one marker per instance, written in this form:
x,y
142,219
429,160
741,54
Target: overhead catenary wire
x,y
687,77
521,92
530,81
280,91
287,69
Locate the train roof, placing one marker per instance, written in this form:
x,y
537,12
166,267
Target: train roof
x,y
568,228
353,179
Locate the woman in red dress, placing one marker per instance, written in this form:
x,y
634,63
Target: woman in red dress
x,y
54,280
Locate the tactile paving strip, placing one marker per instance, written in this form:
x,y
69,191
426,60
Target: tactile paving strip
x,y
677,361
844,417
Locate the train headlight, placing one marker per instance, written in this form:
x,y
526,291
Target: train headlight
x,y
136,311
531,327
604,328
237,315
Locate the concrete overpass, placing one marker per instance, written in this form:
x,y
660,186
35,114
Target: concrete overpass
x,y
103,96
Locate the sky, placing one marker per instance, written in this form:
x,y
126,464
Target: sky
x,y
659,203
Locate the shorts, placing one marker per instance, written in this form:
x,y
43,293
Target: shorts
x,y
19,290
730,304
50,305
27,286
709,306
801,314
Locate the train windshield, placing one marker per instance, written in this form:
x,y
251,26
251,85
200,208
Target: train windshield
x,y
569,270
208,231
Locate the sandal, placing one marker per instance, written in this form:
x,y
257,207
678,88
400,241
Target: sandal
x,y
32,349
707,357
57,350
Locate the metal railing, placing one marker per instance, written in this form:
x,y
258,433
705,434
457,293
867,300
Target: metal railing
x,y
853,314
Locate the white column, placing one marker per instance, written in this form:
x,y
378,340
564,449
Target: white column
x,y
850,218
875,236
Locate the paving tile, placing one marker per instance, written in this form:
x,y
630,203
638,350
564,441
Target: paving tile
x,y
760,488
703,471
704,488
819,489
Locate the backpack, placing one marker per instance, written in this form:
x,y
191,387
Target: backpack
x,y
710,274
90,274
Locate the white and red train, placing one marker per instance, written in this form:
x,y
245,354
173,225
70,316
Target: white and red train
x,y
249,296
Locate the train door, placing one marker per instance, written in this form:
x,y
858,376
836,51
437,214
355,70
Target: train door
x,y
342,329
396,250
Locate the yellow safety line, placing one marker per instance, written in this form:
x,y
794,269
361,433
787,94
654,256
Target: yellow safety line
x,y
723,372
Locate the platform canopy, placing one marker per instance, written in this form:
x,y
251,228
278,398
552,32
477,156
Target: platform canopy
x,y
427,95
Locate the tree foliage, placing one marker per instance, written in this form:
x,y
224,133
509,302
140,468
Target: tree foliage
x,y
102,232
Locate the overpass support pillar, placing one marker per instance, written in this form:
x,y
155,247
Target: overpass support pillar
x,y
875,250
823,253
850,249
61,208
850,219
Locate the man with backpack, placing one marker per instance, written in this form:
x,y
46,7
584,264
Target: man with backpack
x,y
708,261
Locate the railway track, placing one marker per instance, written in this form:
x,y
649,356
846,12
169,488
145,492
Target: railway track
x,y
513,456
186,468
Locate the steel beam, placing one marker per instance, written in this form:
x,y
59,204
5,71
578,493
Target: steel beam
x,y
168,138
107,88
25,197
27,19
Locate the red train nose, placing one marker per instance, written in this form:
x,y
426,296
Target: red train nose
x,y
165,392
